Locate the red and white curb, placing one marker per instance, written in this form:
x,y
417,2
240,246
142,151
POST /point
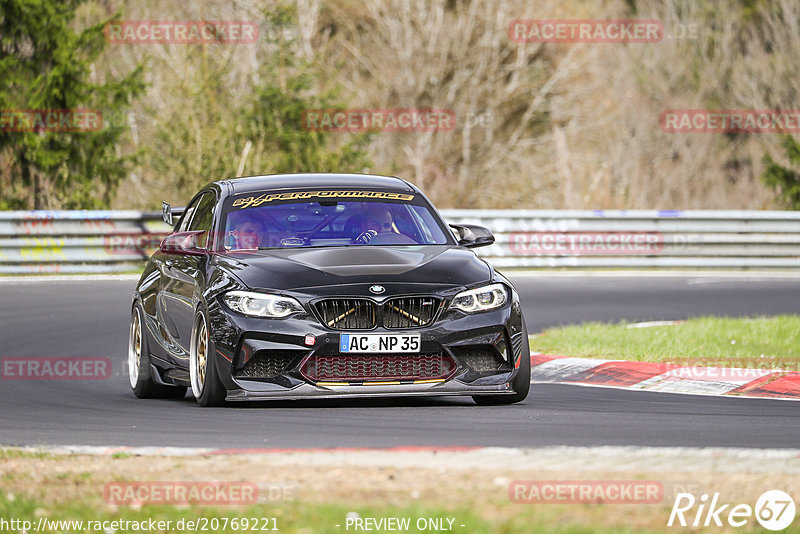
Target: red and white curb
x,y
666,377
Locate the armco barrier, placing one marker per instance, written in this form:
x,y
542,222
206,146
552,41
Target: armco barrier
x,y
114,241
639,238
77,241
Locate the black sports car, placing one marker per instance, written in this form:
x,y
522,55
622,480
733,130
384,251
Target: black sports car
x,y
322,286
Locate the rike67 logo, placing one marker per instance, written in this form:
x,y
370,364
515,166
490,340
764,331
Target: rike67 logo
x,y
774,510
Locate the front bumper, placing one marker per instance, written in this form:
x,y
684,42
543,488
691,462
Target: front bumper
x,y
262,359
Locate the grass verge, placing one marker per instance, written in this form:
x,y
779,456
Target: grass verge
x,y
756,341
457,498
294,517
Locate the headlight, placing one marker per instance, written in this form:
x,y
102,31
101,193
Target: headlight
x,y
481,299
261,304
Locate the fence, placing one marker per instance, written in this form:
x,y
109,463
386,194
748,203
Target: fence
x,y
118,241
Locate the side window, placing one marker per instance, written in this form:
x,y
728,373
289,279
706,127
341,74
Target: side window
x,y
203,217
187,216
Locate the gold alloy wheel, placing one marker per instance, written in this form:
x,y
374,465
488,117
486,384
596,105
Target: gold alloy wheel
x,y
134,349
198,357
202,349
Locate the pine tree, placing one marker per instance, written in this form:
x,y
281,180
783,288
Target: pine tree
x,y
785,180
48,66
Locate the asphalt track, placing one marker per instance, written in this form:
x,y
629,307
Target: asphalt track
x,y
90,318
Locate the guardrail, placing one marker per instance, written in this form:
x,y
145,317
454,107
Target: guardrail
x,y
78,241
639,238
118,241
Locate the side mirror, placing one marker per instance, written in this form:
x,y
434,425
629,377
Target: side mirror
x,y
471,236
184,244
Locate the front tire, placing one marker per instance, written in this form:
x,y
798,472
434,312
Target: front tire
x,y
140,370
521,383
206,386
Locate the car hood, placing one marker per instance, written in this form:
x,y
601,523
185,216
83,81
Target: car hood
x,y
299,268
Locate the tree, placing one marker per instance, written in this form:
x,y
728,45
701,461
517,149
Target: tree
x,y
785,180
218,133
47,71
274,119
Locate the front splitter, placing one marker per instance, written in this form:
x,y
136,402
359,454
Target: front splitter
x,y
329,391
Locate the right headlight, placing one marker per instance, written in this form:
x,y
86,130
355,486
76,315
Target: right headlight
x,y
261,304
481,299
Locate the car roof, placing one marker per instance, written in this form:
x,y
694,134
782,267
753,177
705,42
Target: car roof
x,y
315,180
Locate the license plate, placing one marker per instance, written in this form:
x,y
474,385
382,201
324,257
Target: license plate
x,y
379,343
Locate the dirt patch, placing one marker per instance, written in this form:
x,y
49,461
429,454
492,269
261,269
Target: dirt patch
x,y
478,480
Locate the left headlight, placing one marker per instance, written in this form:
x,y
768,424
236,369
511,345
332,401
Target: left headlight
x,y
481,299
261,304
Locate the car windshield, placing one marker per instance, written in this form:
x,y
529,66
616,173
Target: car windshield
x,y
264,220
